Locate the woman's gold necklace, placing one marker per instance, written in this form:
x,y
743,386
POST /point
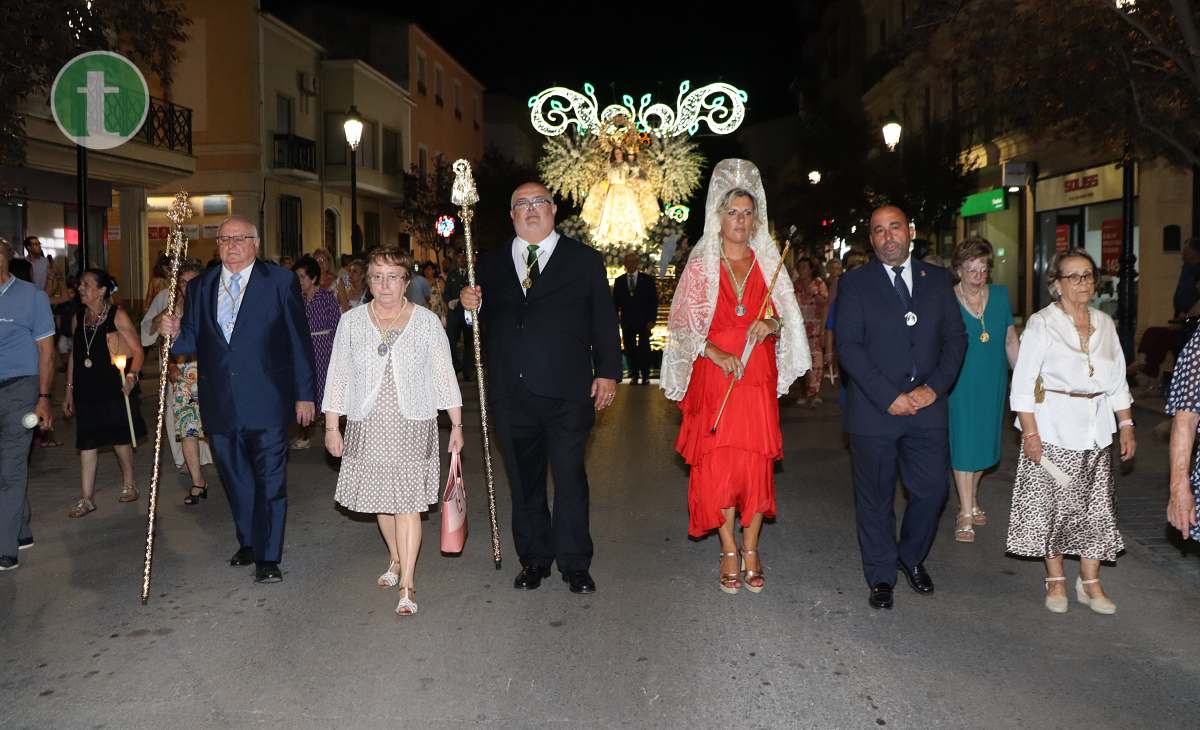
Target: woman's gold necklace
x,y
983,336
383,344
1085,338
739,289
87,341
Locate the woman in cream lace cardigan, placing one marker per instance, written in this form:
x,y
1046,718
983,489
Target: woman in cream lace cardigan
x,y
390,373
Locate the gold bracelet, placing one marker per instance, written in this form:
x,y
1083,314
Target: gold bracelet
x,y
456,425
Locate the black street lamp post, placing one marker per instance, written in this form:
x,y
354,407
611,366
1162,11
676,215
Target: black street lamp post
x,y
354,128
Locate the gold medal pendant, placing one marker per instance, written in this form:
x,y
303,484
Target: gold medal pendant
x,y
526,282
984,337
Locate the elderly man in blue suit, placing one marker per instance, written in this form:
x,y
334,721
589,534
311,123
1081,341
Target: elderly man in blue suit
x,y
900,342
245,322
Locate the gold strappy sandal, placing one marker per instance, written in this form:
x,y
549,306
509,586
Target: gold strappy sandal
x,y
730,582
749,576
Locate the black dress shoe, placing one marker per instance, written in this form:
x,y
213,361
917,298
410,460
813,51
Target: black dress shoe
x,y
580,581
267,573
530,577
244,556
918,578
881,596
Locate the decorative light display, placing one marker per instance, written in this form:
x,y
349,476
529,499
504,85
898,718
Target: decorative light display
x,y
444,226
719,105
678,213
624,162
814,177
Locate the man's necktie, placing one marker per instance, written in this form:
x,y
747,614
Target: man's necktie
x,y
632,282
531,262
906,301
228,313
902,289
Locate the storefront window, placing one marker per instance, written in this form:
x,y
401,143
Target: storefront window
x,y
1095,228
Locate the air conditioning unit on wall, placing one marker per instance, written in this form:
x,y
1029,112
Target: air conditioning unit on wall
x,y
309,84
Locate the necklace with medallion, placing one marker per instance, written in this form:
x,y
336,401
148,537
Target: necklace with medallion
x,y
738,288
962,295
383,331
89,339
1085,337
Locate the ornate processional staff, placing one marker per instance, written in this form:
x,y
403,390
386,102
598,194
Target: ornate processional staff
x,y
180,211
464,195
761,311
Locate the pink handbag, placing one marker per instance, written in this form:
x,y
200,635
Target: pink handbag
x,y
454,509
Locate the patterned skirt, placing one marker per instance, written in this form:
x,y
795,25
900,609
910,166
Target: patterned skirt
x,y
187,402
1079,519
390,464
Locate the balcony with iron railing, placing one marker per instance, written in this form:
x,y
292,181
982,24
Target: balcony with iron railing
x,y
168,126
296,154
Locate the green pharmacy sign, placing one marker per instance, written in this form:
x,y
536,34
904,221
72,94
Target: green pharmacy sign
x,y
99,100
989,201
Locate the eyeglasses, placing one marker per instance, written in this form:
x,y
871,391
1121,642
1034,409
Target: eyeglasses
x,y
976,272
234,240
1076,279
389,278
531,204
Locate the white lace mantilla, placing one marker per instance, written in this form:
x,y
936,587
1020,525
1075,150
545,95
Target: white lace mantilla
x,y
696,294
421,367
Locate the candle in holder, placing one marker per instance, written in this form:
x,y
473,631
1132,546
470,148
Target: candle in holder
x,y
119,362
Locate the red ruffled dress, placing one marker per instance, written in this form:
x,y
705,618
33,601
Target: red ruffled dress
x,y
735,466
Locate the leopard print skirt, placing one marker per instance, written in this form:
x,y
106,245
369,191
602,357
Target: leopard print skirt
x,y
1080,519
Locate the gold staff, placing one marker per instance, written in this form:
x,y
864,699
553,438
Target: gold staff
x,y
761,310
176,248
464,195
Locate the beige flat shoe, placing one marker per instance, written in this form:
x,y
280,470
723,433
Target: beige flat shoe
x,y
407,606
1056,604
129,493
1100,604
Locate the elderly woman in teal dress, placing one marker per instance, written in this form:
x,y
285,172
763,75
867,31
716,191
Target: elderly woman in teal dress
x,y
977,401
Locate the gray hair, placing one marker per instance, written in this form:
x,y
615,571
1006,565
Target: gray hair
x,y
1054,272
240,219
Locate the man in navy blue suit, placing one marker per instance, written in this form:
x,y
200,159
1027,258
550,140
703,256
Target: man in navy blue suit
x,y
245,322
900,343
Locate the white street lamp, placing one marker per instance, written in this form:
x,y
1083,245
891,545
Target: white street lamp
x,y
891,130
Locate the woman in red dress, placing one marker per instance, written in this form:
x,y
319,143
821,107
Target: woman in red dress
x,y
714,319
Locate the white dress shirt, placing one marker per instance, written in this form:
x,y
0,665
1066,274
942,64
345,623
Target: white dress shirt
x,y
520,253
422,370
1050,347
906,274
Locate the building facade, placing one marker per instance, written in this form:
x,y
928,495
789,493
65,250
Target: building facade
x,y
268,112
1034,197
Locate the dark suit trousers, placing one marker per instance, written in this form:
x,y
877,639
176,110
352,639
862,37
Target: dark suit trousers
x,y
253,467
456,328
637,350
922,457
535,432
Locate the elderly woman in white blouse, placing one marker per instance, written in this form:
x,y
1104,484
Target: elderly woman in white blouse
x,y
390,373
1070,397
